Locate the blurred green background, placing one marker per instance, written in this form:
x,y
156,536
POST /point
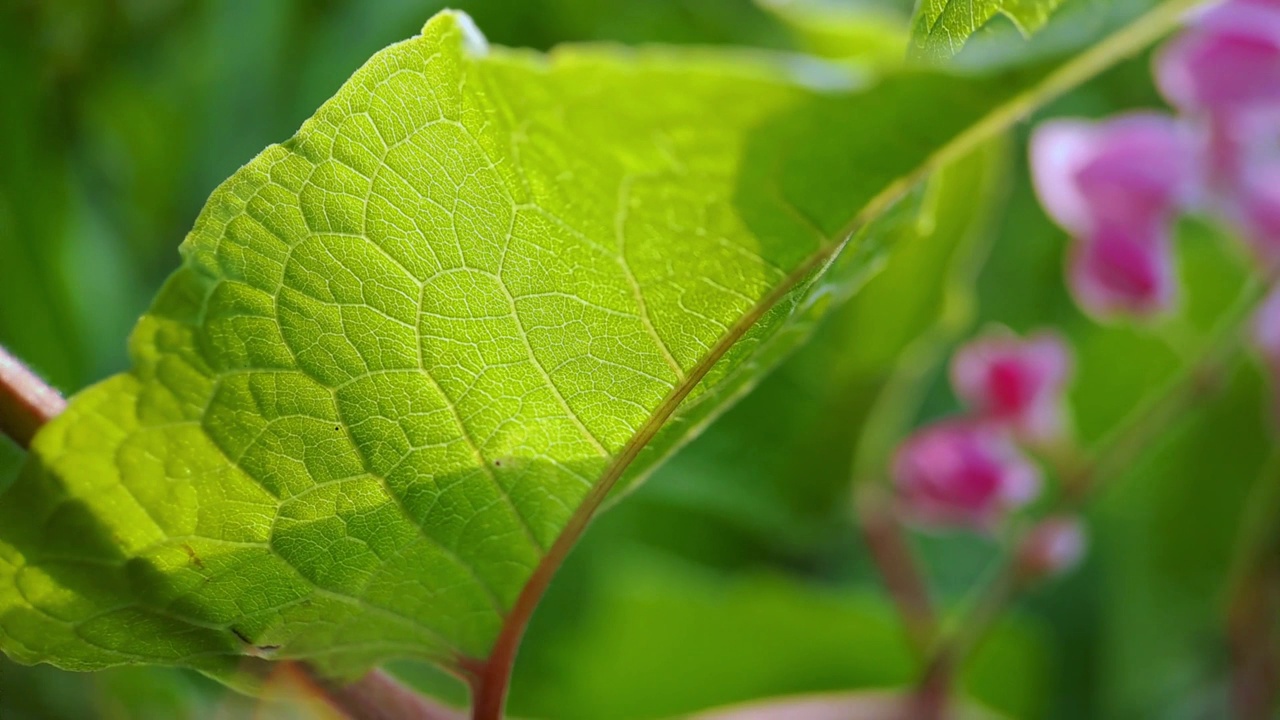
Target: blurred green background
x,y
736,573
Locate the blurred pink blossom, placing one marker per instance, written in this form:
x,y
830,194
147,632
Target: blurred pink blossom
x,y
1226,65
1124,271
1054,546
1265,334
1254,208
1224,72
1016,382
962,473
1131,171
1116,186
1266,328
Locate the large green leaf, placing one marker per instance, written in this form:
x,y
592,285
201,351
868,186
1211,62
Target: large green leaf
x,y
412,349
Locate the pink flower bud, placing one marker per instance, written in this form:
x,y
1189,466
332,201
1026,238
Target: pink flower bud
x,y
1054,546
1123,271
962,473
1131,171
1015,382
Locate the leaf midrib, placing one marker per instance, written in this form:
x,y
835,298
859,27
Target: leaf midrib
x,y
1137,34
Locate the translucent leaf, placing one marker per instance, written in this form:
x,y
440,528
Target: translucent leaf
x,y
940,28
411,350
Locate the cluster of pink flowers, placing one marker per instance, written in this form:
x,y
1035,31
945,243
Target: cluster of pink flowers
x,y
969,471
1118,185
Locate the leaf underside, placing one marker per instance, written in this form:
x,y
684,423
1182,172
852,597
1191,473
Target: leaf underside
x,y
406,344
940,28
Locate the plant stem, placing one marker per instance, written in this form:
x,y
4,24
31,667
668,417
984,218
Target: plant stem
x,y
1081,479
897,566
1253,609
376,696
27,403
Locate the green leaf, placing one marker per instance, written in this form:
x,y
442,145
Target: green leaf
x,y
940,28
867,34
411,350
742,637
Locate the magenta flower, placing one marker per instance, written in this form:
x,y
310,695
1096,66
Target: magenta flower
x,y
1265,334
1017,383
1116,186
1266,329
1126,173
1054,546
1225,73
1123,271
960,473
1255,210
1227,63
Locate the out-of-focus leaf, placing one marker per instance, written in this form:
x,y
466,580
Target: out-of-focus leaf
x,y
709,640
1171,529
869,35
36,314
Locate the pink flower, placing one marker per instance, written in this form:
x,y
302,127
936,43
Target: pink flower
x,y
1132,171
1266,328
1116,186
1228,62
962,473
1254,208
1266,338
1015,382
1123,271
1054,546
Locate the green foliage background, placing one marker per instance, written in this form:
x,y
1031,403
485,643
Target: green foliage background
x,y
736,572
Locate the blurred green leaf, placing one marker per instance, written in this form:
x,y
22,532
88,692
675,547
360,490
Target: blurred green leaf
x,y
707,639
870,35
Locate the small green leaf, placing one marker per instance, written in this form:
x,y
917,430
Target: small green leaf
x,y
940,28
414,347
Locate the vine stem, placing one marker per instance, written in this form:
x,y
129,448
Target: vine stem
x,y
1081,477
27,403
898,567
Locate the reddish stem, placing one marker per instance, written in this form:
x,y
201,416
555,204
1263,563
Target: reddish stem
x,y
376,696
490,678
26,401
897,566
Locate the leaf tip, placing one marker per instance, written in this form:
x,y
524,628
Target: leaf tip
x,y
445,22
